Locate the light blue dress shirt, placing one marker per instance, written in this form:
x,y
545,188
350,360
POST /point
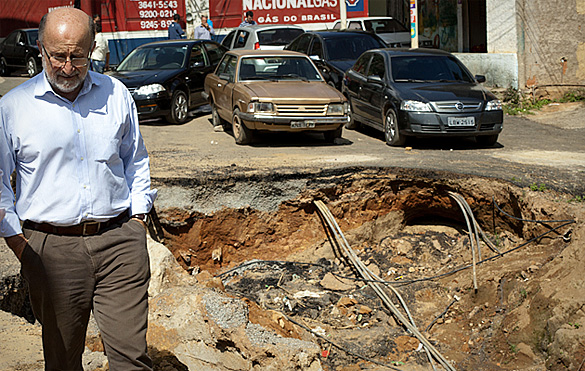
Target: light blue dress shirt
x,y
76,161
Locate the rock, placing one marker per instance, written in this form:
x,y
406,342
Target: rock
x,y
346,302
334,283
374,269
364,309
402,247
525,353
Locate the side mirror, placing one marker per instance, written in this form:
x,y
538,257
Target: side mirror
x,y
480,78
315,58
375,79
197,64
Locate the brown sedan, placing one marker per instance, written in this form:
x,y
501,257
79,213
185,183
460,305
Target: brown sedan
x,y
273,90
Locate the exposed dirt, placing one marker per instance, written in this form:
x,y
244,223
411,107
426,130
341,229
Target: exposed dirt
x,y
405,227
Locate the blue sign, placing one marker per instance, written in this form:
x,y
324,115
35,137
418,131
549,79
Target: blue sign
x,y
354,5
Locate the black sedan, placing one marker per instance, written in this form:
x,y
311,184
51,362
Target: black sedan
x,y
334,52
420,92
166,77
19,51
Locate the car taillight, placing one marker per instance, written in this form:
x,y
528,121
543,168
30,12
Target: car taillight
x,y
257,46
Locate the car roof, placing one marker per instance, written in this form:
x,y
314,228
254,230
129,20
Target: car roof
x,y
365,18
340,33
260,52
260,27
176,42
395,52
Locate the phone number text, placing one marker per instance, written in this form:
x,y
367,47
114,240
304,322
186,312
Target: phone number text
x,y
155,25
158,4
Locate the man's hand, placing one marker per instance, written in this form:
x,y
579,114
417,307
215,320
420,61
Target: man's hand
x,y
17,244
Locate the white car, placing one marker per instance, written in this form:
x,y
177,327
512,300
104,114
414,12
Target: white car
x,y
389,29
263,37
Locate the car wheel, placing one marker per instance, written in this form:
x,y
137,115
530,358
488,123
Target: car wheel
x,y
331,135
216,120
4,71
242,134
391,131
487,140
178,108
31,67
351,122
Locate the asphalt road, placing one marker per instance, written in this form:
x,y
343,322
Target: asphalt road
x,y
547,148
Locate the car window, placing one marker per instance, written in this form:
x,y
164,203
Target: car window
x,y
32,36
227,41
198,56
377,66
362,63
228,67
317,48
303,45
354,26
241,38
154,58
384,26
351,46
337,25
215,52
11,39
21,38
278,68
279,36
428,68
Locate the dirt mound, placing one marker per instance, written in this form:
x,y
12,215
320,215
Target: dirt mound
x,y
404,225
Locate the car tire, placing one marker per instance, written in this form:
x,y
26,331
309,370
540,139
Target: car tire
x,y
331,135
4,70
179,108
487,140
242,134
391,131
31,67
352,124
216,120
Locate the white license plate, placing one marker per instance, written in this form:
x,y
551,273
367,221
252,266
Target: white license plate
x,y
461,121
302,124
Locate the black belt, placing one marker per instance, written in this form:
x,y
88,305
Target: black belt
x,y
83,229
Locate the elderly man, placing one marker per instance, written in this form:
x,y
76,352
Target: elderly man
x,y
204,30
82,190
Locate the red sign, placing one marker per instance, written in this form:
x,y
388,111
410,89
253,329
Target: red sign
x,y
140,15
226,13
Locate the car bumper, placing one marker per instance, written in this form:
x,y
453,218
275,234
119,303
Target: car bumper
x,y
295,123
437,124
152,107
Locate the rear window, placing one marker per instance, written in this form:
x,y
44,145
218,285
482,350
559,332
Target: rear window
x,y
279,36
350,47
384,26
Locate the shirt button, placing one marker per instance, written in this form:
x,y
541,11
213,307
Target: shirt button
x,y
84,186
79,131
82,159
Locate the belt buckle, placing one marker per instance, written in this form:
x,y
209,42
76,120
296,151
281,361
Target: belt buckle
x,y
84,231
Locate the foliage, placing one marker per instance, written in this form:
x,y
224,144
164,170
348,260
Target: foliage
x,y
538,188
516,102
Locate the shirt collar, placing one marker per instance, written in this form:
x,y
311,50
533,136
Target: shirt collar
x,y
43,87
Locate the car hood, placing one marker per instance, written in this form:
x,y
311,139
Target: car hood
x,y
295,91
133,79
343,65
443,92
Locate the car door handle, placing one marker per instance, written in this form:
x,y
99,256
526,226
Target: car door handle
x,y
218,85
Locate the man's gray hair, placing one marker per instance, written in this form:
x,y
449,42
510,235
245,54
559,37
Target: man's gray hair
x,y
43,24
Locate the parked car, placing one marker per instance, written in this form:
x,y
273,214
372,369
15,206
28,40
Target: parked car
x,y
19,51
273,90
394,33
275,36
420,92
166,77
334,52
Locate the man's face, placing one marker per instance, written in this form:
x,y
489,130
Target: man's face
x,y
204,19
249,18
71,45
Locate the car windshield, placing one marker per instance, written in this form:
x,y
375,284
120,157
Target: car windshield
x,y
384,26
350,47
279,36
425,68
278,68
154,57
32,36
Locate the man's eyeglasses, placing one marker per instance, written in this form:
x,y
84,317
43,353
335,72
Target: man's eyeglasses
x,y
59,62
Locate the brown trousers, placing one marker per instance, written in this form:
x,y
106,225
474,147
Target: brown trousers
x,y
69,276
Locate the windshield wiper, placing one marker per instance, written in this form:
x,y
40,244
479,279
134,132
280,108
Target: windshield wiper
x,y
409,80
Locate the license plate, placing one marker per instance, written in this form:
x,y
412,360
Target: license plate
x,y
302,124
461,121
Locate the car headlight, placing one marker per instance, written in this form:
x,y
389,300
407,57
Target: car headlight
x,y
494,105
337,109
415,106
260,107
149,89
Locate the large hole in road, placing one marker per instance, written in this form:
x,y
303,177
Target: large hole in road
x,y
405,226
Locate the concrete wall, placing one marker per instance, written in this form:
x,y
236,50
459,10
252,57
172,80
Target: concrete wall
x,y
551,42
499,69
